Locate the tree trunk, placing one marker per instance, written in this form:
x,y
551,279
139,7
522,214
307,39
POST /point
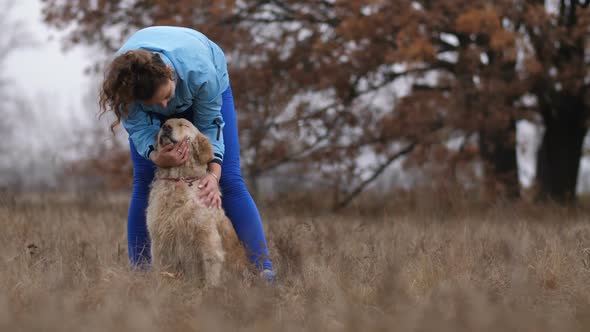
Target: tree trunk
x,y
498,151
558,158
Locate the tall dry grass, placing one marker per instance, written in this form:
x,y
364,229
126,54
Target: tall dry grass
x,y
433,267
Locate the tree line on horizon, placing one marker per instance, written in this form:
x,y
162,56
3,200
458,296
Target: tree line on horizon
x,y
322,86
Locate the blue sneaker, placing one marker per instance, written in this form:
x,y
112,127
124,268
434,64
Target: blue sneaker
x,y
268,275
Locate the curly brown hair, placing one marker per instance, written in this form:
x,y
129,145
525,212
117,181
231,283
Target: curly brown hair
x,y
133,75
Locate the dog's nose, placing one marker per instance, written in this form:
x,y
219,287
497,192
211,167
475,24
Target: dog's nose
x,y
167,128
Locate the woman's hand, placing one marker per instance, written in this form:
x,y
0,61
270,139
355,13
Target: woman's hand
x,y
171,155
209,194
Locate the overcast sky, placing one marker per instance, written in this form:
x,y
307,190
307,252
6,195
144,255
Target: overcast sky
x,y
56,92
45,70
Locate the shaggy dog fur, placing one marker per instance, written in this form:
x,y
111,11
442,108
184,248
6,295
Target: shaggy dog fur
x,y
187,237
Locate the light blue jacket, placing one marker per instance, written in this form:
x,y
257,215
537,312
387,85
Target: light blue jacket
x,y
201,78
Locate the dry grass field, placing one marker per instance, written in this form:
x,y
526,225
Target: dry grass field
x,y
428,267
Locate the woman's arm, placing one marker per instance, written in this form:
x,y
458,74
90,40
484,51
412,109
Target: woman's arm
x,y
215,170
208,118
209,185
210,123
142,130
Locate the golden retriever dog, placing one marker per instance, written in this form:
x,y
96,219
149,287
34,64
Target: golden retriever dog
x,y
187,237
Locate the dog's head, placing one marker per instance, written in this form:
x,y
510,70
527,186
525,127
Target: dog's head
x,y
176,130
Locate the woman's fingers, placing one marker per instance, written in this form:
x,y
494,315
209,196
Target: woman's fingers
x,y
214,200
174,154
211,197
204,186
209,194
184,158
206,183
180,146
178,153
184,145
206,196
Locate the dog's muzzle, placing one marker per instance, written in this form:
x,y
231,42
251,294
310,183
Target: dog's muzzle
x,y
166,135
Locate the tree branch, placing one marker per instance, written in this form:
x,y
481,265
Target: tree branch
x,y
290,158
361,187
426,87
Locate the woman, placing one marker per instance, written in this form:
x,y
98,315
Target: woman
x,y
164,72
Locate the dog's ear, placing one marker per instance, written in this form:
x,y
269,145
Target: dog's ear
x,y
202,149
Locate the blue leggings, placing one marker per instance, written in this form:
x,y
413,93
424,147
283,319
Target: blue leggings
x,y
236,200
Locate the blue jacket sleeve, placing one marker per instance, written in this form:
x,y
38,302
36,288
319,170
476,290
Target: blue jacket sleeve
x,y
208,115
142,129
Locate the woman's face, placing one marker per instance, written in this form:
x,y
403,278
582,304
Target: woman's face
x,y
162,96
